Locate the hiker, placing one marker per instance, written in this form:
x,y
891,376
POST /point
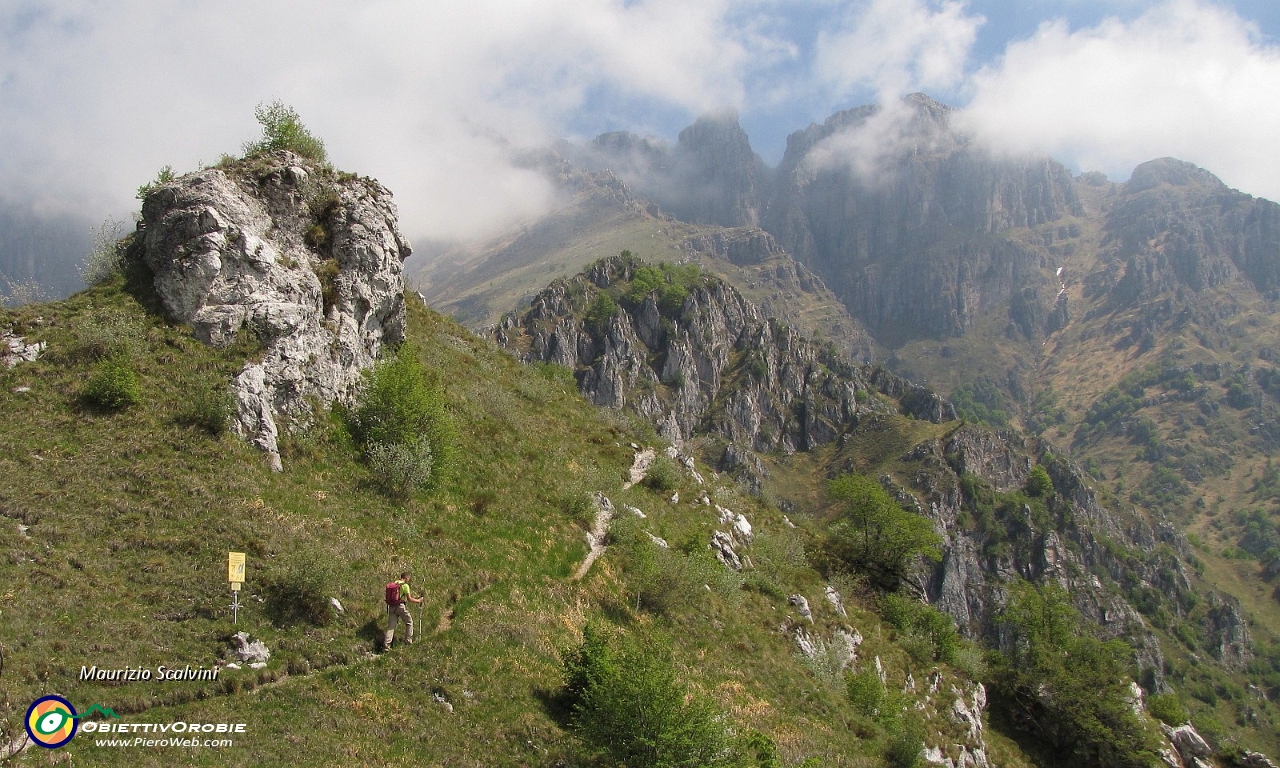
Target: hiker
x,y
398,593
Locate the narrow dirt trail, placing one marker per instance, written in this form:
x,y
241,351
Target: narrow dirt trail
x,y
597,535
604,512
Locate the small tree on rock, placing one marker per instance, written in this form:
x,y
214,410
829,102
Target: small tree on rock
x,y
283,129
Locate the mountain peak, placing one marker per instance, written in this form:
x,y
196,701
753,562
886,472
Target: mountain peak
x,y
1171,171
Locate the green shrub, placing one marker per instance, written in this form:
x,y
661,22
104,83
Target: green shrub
x,y
905,745
671,283
400,469
211,407
600,313
928,634
283,129
1066,686
981,402
1168,709
113,385
761,748
629,707
865,691
875,534
663,475
299,591
971,660
165,176
398,407
1038,483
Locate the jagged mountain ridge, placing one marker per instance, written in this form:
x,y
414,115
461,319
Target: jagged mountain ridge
x,y
712,363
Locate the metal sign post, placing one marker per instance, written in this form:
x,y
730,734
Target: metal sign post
x,y
235,575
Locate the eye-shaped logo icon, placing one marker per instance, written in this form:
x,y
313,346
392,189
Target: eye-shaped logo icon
x,y
51,721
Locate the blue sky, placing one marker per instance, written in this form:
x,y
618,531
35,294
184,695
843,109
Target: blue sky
x,y
432,97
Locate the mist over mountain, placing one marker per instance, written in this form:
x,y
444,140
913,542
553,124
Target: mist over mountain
x,y
43,251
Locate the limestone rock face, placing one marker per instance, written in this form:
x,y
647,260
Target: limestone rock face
x,y
306,261
1175,225
711,365
1073,541
910,238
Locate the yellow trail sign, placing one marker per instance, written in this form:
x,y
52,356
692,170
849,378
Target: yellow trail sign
x,y
235,567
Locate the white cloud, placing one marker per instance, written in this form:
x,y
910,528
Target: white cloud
x,y
897,46
428,97
1186,79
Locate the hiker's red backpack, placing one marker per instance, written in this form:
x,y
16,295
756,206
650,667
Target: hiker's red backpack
x,y
393,593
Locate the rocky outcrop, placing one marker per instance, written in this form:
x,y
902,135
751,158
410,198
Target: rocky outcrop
x,y
249,651
1101,556
15,350
779,285
305,260
708,363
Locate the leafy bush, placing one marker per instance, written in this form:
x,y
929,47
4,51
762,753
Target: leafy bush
x,y
211,407
113,385
934,631
1038,483
327,273
875,534
164,176
399,469
905,746
865,691
283,129
671,283
981,402
401,424
1067,686
1168,709
629,707
663,475
600,313
299,592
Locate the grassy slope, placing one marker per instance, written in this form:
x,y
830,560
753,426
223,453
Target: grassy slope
x,y
130,517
